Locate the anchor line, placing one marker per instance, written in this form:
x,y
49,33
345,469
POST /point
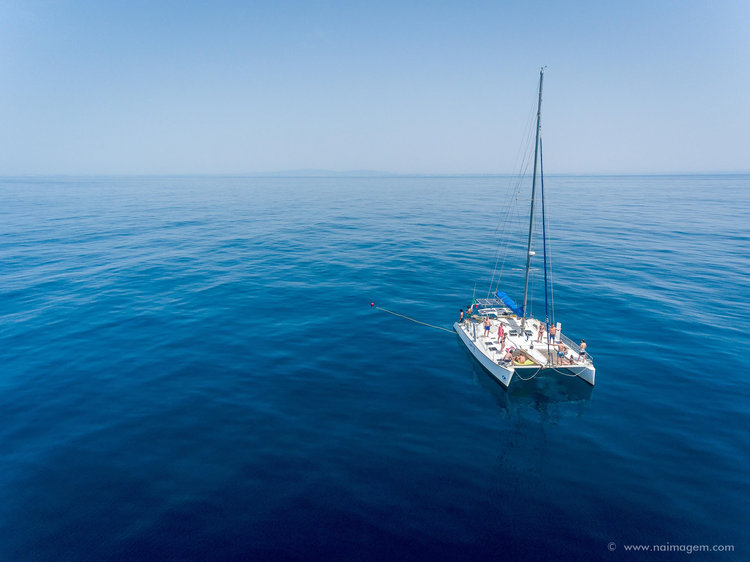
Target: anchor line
x,y
414,320
539,370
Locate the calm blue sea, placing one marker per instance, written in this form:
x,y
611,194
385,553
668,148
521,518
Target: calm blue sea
x,y
190,369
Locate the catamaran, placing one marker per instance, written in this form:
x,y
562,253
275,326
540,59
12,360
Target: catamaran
x,y
503,337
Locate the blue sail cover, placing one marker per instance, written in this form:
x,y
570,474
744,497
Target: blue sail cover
x,y
507,301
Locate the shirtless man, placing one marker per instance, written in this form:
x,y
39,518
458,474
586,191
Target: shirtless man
x,y
582,354
552,332
487,326
561,349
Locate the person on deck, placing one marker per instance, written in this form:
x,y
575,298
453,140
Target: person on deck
x,y
552,332
541,333
487,326
500,333
582,354
561,349
508,357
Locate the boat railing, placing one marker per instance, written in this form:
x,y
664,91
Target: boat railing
x,y
573,346
494,312
569,342
489,302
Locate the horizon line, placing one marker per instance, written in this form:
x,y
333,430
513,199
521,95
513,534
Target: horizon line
x,y
357,173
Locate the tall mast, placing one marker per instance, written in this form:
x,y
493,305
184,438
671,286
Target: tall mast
x,y
533,196
544,232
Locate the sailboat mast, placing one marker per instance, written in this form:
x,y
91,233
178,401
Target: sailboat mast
x,y
533,197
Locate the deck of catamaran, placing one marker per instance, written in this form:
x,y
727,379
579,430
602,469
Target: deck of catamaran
x,y
530,356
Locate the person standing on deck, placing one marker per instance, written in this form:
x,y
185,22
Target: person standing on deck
x,y
552,332
541,333
500,333
582,353
487,326
561,349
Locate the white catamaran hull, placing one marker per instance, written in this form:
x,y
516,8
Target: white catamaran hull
x,y
585,372
501,373
488,352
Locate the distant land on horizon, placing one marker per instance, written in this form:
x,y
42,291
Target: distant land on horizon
x,y
378,173
322,173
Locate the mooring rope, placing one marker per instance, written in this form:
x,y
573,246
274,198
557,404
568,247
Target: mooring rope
x,y
414,320
518,375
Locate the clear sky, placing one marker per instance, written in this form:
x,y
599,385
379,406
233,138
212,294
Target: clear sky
x,y
131,87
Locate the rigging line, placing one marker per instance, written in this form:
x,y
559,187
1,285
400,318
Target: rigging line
x,y
502,222
523,161
544,368
551,276
526,142
521,156
413,320
502,251
559,372
544,232
514,184
513,226
505,252
516,179
539,370
510,222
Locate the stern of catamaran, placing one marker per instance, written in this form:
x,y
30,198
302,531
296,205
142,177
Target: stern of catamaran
x,y
482,353
588,374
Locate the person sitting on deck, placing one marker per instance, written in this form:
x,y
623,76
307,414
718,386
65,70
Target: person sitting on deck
x,y
508,357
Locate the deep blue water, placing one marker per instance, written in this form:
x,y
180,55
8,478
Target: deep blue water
x,y
191,369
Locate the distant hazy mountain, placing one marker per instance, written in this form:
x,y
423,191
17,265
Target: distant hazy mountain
x,y
325,173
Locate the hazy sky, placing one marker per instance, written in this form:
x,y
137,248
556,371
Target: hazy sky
x,y
414,87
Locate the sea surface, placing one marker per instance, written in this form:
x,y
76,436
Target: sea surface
x,y
191,369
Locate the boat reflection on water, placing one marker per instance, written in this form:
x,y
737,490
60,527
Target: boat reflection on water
x,y
553,396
